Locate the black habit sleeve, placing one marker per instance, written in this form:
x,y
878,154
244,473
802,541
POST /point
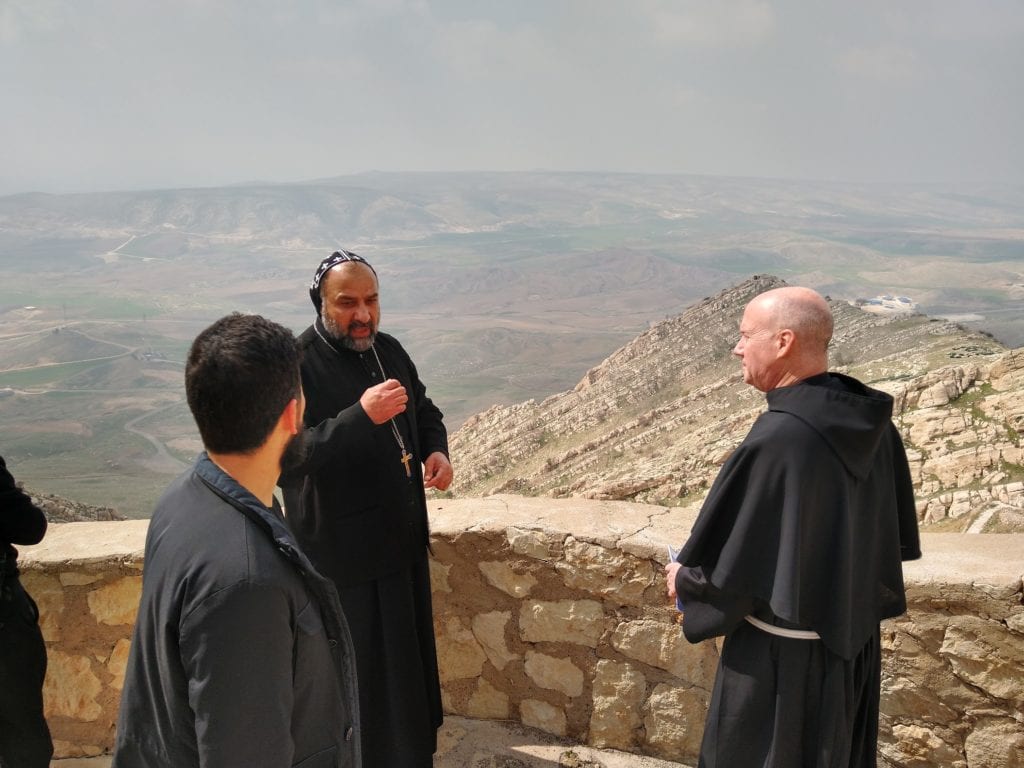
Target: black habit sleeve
x,y
329,440
708,612
21,521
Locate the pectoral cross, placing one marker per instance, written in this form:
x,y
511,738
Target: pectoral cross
x,y
406,458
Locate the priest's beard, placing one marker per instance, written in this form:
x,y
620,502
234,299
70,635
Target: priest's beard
x,y
294,452
343,337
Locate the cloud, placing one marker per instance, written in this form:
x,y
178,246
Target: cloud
x,y
477,50
886,64
978,20
126,92
21,19
723,23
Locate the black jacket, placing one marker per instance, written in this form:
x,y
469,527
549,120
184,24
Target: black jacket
x,y
21,521
808,521
240,655
352,507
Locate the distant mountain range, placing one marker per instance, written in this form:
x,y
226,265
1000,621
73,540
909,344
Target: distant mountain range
x,y
503,286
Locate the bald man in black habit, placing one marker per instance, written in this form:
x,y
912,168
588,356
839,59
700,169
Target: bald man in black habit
x,y
375,441
797,553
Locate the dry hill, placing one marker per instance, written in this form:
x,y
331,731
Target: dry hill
x,y
655,420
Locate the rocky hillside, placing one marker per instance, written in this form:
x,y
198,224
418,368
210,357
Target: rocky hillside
x,y
655,421
60,510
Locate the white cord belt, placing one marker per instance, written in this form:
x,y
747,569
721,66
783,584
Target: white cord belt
x,y
771,629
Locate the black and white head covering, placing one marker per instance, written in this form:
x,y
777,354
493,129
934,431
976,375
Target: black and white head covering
x,y
336,258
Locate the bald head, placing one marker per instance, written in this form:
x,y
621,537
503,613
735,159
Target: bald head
x,y
784,336
802,310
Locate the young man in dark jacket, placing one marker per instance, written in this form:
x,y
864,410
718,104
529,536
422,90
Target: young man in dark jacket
x,y
241,655
24,737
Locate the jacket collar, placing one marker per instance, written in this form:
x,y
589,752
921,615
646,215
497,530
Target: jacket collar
x,y
269,520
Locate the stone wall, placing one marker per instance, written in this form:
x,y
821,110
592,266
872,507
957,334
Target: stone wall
x,y
552,613
86,579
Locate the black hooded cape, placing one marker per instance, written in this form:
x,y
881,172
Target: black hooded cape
x,y
805,527
813,513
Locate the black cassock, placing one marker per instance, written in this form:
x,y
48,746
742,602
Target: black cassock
x,y
362,521
805,528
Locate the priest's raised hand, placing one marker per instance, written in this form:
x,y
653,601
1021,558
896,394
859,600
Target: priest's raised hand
x,y
384,401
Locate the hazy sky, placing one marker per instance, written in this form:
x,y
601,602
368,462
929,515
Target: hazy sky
x,y
113,94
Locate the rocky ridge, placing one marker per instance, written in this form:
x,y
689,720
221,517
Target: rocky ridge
x,y
655,421
60,510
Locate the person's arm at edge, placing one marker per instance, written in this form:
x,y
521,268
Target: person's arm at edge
x,y
910,537
21,521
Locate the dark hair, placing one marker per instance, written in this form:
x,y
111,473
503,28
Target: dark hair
x,y
240,374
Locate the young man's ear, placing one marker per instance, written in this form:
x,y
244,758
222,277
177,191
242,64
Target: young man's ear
x,y
291,417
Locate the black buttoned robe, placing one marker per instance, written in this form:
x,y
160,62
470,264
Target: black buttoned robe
x,y
363,523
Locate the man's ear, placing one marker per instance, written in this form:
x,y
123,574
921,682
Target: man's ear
x,y
291,418
784,342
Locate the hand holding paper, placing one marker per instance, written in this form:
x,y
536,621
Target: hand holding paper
x,y
670,576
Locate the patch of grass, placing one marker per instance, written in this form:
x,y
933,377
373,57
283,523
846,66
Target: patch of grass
x,y
1014,472
49,375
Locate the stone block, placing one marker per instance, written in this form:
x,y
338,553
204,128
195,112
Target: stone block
x,y
562,621
917,747
661,645
995,743
71,688
459,655
69,750
904,699
49,596
502,576
610,573
540,714
540,545
674,722
489,630
619,690
118,662
554,674
913,658
986,656
1016,622
488,703
117,602
439,576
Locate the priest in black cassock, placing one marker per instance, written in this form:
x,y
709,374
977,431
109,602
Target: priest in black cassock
x,y
357,505
796,555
